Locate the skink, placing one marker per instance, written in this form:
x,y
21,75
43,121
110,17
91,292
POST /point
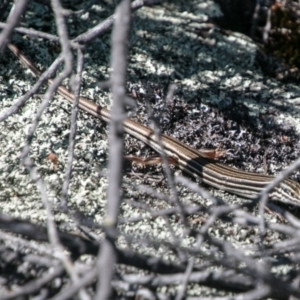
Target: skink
x,y
218,175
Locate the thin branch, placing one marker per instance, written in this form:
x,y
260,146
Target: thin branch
x,y
119,58
12,21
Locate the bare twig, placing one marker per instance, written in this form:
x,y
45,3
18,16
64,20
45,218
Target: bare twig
x,y
120,38
77,85
106,25
12,21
